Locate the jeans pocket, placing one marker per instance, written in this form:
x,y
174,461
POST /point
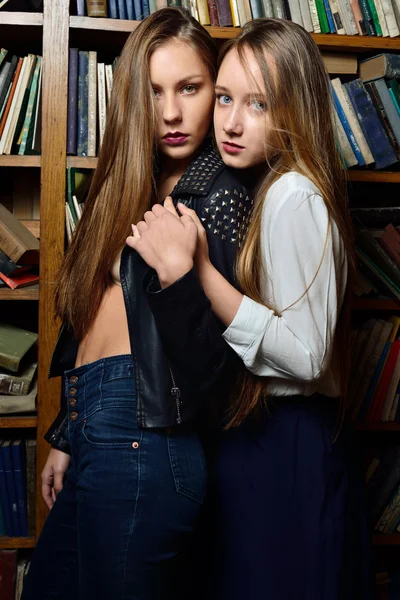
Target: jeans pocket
x,y
188,465
112,427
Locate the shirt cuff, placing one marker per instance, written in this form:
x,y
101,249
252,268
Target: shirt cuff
x,y
250,322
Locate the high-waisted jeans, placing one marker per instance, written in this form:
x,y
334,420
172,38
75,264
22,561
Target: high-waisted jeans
x,y
121,526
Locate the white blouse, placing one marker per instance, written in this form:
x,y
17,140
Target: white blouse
x,y
294,349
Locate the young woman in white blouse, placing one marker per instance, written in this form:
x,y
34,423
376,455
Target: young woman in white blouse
x,y
289,503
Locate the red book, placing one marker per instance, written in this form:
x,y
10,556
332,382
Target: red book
x,y
17,279
378,401
8,572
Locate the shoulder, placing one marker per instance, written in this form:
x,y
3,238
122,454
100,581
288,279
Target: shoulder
x,y
293,195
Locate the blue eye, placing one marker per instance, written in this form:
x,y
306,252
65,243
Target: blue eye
x,y
258,106
156,93
224,99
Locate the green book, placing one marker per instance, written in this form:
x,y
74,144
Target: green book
x,y
322,18
3,54
17,384
31,130
31,105
14,344
375,17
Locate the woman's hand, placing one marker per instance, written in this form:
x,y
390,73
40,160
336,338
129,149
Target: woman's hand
x,y
202,256
53,475
166,242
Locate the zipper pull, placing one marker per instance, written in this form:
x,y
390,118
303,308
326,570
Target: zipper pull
x,y
176,393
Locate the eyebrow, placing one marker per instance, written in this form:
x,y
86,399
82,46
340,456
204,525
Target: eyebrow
x,y
221,88
190,77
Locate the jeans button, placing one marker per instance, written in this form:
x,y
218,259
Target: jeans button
x,y
73,416
72,401
72,392
73,379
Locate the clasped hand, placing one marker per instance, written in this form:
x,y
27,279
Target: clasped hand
x,y
170,243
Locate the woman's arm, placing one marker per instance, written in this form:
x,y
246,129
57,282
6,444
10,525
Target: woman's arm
x,y
294,340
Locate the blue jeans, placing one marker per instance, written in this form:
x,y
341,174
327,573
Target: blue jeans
x,y
121,526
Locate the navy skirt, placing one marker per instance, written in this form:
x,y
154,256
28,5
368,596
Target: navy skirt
x,y
289,510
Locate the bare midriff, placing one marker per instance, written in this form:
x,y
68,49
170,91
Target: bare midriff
x,y
109,334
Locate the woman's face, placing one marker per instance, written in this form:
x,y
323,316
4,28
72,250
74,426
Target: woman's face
x,y
241,123
184,92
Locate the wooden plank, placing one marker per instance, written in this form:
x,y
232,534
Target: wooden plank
x,y
21,18
378,426
82,162
392,539
355,42
27,293
6,542
19,161
375,304
14,422
54,137
100,24
374,176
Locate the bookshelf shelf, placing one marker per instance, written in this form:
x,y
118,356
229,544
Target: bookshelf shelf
x,y
392,539
375,304
15,422
27,293
378,426
6,542
11,160
374,176
21,18
344,42
82,162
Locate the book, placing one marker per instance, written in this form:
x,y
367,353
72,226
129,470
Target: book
x,y
390,109
224,13
336,62
28,139
19,472
8,79
18,384
382,65
382,114
4,499
10,99
371,247
16,241
96,8
92,104
375,410
83,106
20,280
383,482
3,54
14,344
72,118
5,449
381,148
21,566
19,404
390,240
8,573
8,266
30,447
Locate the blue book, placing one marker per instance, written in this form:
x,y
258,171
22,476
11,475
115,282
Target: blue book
x,y
256,9
374,381
12,494
3,530
113,9
72,119
83,103
138,10
121,9
331,22
145,8
80,8
130,11
19,471
379,143
347,129
5,505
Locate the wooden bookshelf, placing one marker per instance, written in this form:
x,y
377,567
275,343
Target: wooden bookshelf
x,y
382,539
21,18
26,293
22,542
9,160
378,426
17,422
375,304
374,176
82,162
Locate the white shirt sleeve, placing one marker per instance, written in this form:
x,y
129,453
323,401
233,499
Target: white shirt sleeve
x,y
297,344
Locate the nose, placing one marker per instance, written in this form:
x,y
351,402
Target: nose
x,y
171,110
233,124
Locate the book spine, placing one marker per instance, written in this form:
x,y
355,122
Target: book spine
x,y
8,80
381,18
101,100
202,8
368,20
382,115
323,20
18,463
256,9
96,8
213,12
294,7
3,54
346,152
72,119
13,386
82,134
92,103
8,470
306,15
349,133
130,10
391,22
224,13
328,9
113,9
374,15
377,139
122,10
30,446
267,8
358,17
314,16
4,499
347,17
389,107
80,8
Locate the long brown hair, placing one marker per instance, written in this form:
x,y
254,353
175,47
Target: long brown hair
x,y
298,101
123,184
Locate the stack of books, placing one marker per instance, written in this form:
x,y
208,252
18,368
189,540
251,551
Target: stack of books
x,y
20,103
350,17
367,113
383,490
19,252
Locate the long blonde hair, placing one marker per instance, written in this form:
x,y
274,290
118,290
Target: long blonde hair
x,y
123,184
298,101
